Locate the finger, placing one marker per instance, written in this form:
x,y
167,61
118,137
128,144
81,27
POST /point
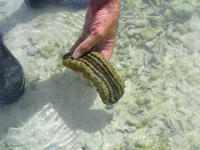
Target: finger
x,y
80,39
86,45
106,50
107,53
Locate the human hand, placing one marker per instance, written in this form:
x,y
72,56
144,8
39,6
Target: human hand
x,y
100,27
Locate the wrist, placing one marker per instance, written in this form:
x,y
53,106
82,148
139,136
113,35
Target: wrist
x,y
98,2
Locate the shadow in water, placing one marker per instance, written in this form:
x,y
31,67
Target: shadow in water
x,y
25,13
70,96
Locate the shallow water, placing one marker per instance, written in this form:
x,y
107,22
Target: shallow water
x,y
157,54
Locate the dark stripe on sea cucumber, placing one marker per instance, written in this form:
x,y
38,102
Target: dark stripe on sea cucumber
x,y
94,71
99,68
68,55
110,75
101,72
99,76
107,70
115,90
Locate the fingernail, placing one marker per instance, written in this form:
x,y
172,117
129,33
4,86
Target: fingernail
x,y
76,54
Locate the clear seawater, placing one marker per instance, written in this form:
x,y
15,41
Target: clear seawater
x,y
157,54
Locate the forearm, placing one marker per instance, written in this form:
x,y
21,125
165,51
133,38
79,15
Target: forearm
x,y
100,3
95,5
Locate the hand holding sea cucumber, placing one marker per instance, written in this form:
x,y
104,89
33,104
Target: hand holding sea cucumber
x,y
99,31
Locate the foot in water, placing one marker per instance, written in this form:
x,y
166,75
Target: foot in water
x,y
12,81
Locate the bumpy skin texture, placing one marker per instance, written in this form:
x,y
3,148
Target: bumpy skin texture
x,y
96,68
12,82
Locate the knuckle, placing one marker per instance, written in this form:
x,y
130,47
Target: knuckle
x,y
84,47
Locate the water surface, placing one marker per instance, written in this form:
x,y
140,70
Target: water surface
x,y
157,54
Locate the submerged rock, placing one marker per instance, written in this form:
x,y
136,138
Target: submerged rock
x,y
12,80
181,11
39,3
75,4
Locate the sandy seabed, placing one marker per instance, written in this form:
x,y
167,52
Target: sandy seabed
x,y
157,54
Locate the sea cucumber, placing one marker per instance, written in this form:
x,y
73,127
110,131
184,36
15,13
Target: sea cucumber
x,y
102,73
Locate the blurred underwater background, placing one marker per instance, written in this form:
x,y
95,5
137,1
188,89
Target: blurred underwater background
x,y
157,54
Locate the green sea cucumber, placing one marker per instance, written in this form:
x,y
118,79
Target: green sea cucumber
x,y
96,68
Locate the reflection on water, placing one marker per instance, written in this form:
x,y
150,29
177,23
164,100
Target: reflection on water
x,y
46,129
157,54
28,10
46,109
